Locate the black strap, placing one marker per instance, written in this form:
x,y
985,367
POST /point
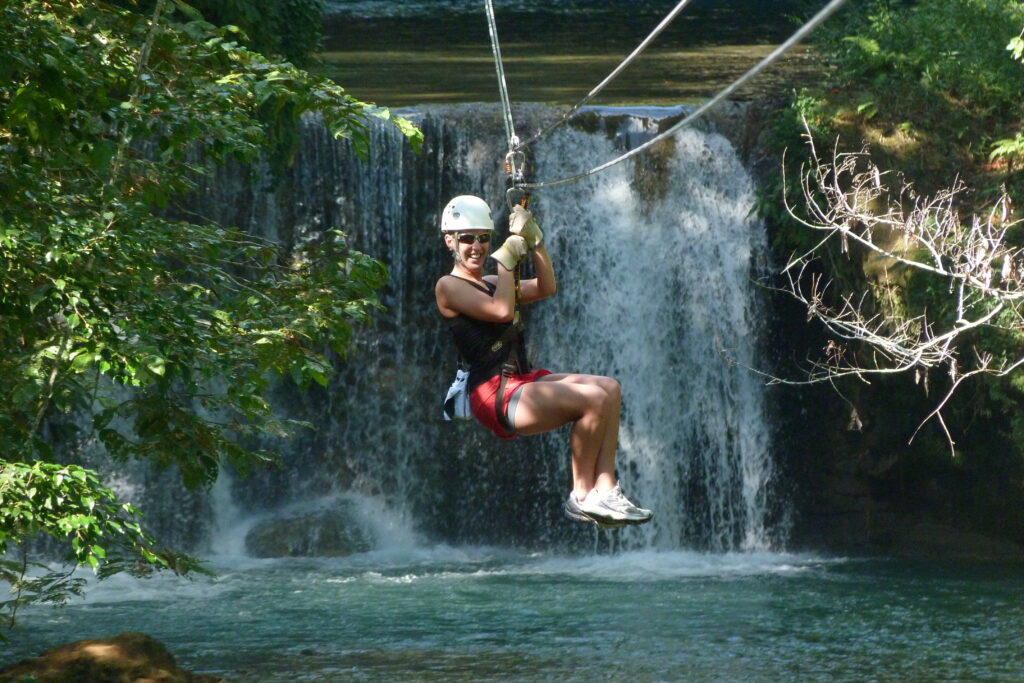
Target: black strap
x,y
516,363
487,288
499,403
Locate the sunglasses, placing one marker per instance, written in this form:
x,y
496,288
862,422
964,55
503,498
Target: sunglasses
x,y
469,239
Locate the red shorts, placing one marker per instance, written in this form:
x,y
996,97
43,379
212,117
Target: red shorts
x,y
481,399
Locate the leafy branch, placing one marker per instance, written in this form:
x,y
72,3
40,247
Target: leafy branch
x,y
161,332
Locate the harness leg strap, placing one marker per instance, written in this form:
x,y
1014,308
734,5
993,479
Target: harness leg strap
x,y
499,401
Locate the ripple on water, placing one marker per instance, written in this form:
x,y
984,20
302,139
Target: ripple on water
x,y
493,614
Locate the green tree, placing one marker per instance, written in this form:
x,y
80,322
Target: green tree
x,y
291,29
930,84
1011,150
164,333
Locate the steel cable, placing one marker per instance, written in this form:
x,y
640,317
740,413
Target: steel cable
x,y
802,32
608,79
506,105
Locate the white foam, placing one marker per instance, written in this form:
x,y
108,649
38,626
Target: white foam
x,y
648,565
389,530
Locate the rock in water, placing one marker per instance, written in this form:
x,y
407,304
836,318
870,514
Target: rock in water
x,y
330,532
127,658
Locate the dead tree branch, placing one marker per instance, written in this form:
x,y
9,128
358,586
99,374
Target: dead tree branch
x,y
849,199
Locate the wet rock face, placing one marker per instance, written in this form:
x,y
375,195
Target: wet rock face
x,y
125,658
329,532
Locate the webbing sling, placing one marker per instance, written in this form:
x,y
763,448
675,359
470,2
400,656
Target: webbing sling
x,y
516,363
514,160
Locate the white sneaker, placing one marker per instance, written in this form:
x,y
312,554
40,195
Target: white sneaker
x,y
613,506
573,510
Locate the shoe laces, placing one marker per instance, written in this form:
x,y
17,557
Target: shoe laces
x,y
617,498
614,493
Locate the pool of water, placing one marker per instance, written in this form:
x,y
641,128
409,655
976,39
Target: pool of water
x,y
483,614
401,54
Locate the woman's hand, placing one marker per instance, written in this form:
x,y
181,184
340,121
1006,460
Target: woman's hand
x,y
511,252
522,222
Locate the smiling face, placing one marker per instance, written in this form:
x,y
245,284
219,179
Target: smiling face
x,y
470,248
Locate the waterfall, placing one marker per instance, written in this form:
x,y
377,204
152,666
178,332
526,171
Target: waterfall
x,y
655,266
654,259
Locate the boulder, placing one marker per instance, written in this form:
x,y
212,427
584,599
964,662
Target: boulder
x,y
127,658
328,532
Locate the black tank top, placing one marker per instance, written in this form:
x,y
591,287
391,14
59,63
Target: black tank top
x,y
474,338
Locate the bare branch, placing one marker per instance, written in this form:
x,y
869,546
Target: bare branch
x,y
900,233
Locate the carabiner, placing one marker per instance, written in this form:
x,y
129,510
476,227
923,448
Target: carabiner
x,y
515,165
516,195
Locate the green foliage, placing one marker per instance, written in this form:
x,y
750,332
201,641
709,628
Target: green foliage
x,y
1011,149
932,89
67,502
290,29
286,28
70,504
166,333
786,129
929,86
953,47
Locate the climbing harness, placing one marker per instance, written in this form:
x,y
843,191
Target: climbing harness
x,y
515,166
516,364
514,144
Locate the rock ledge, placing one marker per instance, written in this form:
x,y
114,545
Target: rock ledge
x,y
126,658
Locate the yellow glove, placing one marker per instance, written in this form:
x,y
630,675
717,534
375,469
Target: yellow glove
x,y
522,222
511,252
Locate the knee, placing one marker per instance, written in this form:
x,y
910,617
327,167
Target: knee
x,y
609,395
612,388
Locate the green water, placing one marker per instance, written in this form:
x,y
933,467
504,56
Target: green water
x,y
480,614
419,52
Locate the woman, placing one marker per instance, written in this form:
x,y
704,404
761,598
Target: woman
x,y
505,396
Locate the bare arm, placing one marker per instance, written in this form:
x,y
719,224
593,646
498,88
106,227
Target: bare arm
x,y
455,297
542,286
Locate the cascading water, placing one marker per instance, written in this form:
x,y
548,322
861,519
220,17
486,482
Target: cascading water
x,y
654,259
655,262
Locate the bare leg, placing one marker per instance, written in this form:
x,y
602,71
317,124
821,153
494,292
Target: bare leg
x,y
605,471
593,404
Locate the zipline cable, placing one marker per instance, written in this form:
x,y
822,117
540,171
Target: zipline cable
x,y
600,86
812,24
515,161
506,106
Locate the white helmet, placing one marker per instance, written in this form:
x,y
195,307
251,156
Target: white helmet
x,y
466,212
